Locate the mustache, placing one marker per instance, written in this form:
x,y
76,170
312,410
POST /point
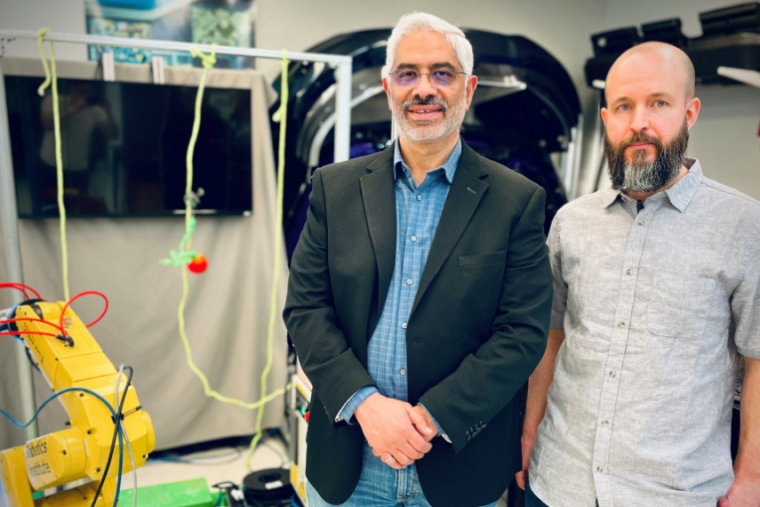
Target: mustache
x,y
427,101
640,137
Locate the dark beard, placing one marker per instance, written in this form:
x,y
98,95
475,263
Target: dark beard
x,y
640,175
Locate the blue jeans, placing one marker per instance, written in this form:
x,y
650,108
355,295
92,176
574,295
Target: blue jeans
x,y
380,486
531,500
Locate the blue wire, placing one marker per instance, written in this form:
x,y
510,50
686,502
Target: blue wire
x,y
11,314
121,462
93,393
54,396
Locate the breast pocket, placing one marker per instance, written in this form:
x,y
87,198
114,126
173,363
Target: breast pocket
x,y
486,259
682,306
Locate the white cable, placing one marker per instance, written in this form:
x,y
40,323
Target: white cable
x,y
126,438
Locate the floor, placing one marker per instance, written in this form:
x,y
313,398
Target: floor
x,y
216,465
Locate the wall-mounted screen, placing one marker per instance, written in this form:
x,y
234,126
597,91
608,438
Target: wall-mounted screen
x,y
123,147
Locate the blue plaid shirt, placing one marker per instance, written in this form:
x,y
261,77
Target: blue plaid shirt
x,y
418,211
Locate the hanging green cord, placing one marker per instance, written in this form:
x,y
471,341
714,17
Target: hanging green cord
x,y
51,77
273,313
182,257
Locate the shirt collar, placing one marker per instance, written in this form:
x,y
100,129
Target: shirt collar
x,y
680,194
449,167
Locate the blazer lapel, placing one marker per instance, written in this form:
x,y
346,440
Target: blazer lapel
x,y
378,196
467,189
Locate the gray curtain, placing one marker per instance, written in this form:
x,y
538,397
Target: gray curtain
x,y
227,311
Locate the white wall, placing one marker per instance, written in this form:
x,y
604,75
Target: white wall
x,y
58,15
725,138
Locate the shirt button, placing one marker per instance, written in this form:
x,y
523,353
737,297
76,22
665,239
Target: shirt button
x,y
621,325
605,423
409,281
419,197
402,371
629,272
414,238
599,469
612,374
403,325
641,222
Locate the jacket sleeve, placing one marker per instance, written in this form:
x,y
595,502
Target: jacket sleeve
x,y
487,380
334,371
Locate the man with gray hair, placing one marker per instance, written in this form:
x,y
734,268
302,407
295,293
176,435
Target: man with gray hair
x,y
419,298
656,298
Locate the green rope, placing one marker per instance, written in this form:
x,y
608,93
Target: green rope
x,y
52,77
273,313
181,257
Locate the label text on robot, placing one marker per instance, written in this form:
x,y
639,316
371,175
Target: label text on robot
x,y
34,449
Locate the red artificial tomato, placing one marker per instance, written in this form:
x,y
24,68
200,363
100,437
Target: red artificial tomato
x,y
198,265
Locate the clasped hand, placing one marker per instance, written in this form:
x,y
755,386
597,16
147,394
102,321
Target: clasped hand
x,y
398,433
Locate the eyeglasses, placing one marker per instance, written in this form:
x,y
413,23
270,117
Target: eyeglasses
x,y
438,78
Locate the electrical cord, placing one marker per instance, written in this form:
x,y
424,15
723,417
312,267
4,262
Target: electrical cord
x,y
116,432
22,426
225,458
29,319
283,459
85,293
20,287
124,430
117,415
51,398
59,327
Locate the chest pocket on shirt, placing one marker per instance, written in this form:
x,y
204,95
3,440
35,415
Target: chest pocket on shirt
x,y
681,306
488,259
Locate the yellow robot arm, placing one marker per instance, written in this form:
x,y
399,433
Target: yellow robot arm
x,y
81,451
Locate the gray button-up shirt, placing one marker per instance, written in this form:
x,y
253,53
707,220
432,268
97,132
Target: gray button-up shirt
x,y
655,305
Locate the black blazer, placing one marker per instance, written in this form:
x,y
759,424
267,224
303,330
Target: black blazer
x,y
476,332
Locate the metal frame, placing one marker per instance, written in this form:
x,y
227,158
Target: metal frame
x,y
8,208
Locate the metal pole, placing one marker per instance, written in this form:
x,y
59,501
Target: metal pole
x,y
578,138
9,215
99,40
568,164
342,111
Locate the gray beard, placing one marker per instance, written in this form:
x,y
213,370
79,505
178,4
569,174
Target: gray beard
x,y
452,119
643,176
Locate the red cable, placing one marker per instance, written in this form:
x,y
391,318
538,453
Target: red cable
x,y
86,293
25,319
20,286
9,286
19,333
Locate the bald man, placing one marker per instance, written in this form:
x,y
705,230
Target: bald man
x,y
656,300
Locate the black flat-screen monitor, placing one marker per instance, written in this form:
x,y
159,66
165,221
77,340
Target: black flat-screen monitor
x,y
124,145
